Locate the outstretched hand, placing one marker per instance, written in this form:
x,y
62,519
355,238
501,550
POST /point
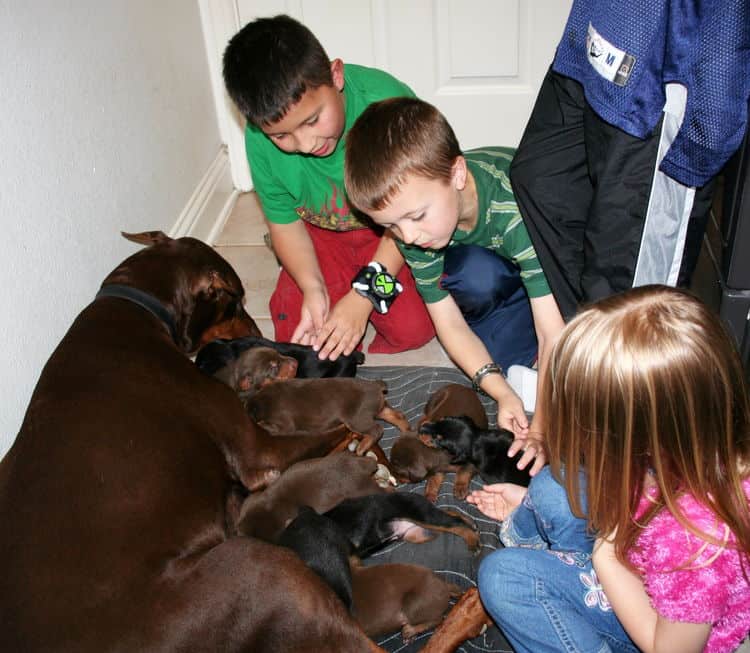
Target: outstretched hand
x,y
312,315
511,414
344,327
498,500
533,449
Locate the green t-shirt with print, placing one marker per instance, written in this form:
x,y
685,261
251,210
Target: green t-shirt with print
x,y
295,186
499,228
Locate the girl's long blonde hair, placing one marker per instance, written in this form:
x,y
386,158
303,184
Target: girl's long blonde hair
x,y
649,380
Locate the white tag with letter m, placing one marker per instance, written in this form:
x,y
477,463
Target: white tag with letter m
x,y
609,61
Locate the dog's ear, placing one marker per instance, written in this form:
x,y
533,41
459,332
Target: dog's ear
x,y
210,283
147,238
218,282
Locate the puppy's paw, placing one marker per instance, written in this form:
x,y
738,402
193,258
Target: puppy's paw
x,y
460,491
454,512
383,477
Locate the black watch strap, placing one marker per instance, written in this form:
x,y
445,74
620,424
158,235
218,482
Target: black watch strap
x,y
381,288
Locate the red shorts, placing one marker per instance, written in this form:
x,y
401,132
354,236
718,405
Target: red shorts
x,y
341,254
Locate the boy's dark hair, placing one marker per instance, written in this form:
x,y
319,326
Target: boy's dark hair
x,y
269,64
394,138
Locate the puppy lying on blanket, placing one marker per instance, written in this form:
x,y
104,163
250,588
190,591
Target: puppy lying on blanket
x,y
254,368
413,461
314,405
371,522
383,598
454,399
219,353
484,449
321,483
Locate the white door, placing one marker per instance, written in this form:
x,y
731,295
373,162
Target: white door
x,y
481,62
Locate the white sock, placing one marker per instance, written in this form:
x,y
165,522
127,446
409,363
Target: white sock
x,y
523,381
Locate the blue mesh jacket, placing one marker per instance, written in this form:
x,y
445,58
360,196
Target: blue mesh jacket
x,y
625,52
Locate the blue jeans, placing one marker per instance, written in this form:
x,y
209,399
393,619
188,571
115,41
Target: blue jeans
x,y
489,291
542,590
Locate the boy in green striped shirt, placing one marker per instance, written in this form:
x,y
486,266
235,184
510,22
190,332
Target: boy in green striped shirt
x,y
457,224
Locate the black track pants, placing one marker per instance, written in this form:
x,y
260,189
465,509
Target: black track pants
x,y
587,190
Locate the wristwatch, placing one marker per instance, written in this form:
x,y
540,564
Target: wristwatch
x,y
374,282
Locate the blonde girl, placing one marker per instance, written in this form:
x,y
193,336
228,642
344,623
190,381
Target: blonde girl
x,y
637,535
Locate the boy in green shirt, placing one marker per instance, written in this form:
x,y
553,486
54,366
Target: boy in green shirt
x,y
460,231
299,106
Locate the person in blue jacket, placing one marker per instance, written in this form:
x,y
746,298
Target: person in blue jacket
x,y
643,105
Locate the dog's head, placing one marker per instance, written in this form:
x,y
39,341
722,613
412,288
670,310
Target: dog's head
x,y
453,434
412,460
256,367
199,290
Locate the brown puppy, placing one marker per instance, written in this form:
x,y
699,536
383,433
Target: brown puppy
x,y
392,597
413,461
254,368
320,483
113,496
454,399
467,619
314,405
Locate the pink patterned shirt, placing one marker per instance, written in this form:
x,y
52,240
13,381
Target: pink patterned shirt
x,y
712,589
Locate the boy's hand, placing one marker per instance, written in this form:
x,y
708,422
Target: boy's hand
x,y
533,449
511,414
312,316
344,327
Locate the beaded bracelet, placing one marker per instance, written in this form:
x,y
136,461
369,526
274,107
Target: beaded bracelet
x,y
489,368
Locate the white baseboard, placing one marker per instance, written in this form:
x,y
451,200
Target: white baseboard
x,y
211,203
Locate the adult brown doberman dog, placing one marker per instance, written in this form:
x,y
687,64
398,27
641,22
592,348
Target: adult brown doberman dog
x,y
113,497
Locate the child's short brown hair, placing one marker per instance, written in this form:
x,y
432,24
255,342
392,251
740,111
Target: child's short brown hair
x,y
394,138
269,64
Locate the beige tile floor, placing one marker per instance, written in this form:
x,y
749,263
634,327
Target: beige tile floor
x,y
241,243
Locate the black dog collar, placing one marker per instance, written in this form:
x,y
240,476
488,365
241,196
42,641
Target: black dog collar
x,y
142,299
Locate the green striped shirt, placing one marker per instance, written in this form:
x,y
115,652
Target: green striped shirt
x,y
499,228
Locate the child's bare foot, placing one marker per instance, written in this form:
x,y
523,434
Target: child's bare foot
x,y
498,500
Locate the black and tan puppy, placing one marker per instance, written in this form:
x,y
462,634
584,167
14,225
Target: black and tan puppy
x,y
383,598
323,547
485,449
219,353
371,522
412,461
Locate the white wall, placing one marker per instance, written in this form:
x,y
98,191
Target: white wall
x,y
106,124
